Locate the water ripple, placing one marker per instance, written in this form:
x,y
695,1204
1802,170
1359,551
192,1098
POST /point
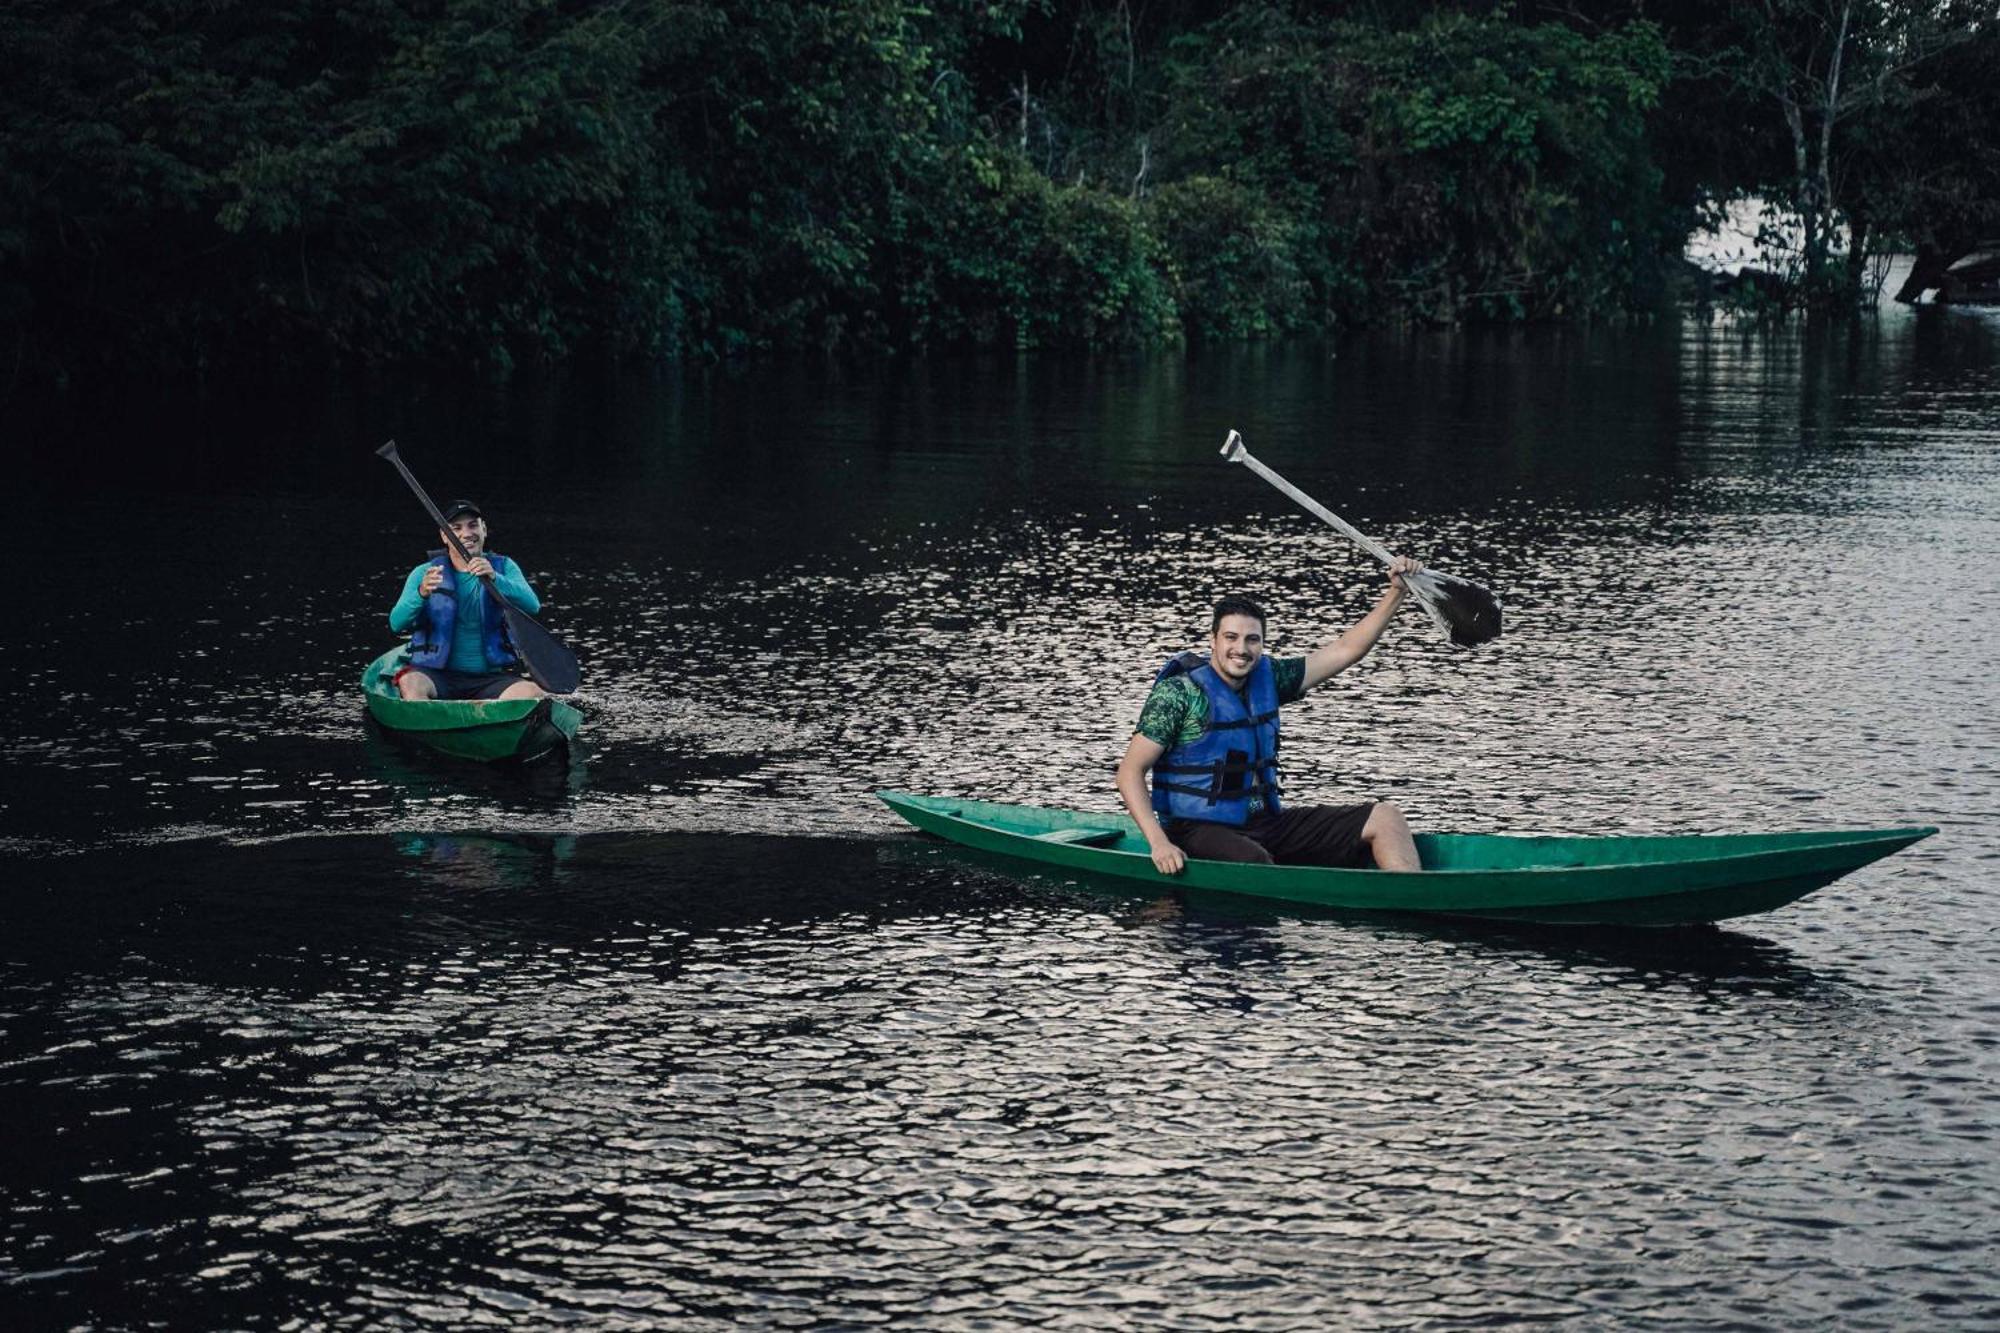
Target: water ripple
x,y
300,1028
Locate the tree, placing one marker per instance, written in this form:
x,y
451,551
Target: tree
x,y
459,179
1442,167
1924,167
1828,66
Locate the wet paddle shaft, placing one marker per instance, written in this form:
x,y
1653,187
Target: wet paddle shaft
x,y
548,661
1467,613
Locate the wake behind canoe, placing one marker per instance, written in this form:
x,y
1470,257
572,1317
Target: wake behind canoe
x,y
1568,880
492,729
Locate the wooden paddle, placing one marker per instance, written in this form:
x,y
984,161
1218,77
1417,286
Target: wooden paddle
x,y
547,659
1466,613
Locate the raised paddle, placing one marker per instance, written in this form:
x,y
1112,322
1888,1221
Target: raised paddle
x,y
548,660
1467,613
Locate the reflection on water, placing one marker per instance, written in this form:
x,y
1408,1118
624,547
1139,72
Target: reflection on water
x,y
482,863
301,1027
678,1079
553,780
1721,958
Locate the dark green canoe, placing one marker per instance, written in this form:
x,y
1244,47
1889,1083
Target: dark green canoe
x,y
1657,881
489,729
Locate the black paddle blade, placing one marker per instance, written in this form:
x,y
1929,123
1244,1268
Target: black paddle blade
x,y
547,660
1469,613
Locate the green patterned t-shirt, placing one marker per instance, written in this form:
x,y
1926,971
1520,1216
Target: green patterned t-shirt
x,y
1177,710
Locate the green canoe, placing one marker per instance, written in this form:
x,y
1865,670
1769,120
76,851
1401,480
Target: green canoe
x,y
1657,881
488,729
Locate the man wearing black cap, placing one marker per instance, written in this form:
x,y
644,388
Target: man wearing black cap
x,y
459,648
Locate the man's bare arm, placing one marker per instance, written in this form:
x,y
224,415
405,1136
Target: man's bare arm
x,y
1140,756
1329,660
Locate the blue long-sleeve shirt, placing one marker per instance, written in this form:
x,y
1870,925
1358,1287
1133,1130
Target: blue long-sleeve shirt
x,y
468,634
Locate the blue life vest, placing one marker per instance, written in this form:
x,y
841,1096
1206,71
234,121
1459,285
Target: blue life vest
x,y
430,644
1213,777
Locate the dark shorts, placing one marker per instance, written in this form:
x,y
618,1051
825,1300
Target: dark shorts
x,y
1314,835
465,684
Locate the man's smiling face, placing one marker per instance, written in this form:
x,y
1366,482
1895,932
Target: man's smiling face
x,y
1235,647
471,531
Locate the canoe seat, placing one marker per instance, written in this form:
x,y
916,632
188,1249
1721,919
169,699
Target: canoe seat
x,y
1082,837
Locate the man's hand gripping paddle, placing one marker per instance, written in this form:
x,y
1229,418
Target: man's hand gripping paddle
x,y
1466,613
547,660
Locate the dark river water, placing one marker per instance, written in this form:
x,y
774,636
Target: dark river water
x,y
301,1029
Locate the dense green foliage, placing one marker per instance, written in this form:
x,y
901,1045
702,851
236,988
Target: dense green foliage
x,y
189,180
1458,166
1920,170
1865,126
192,182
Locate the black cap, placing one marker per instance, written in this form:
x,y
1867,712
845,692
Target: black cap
x,y
457,507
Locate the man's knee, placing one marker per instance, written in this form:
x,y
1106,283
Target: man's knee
x,y
415,685
1389,840
1386,819
523,689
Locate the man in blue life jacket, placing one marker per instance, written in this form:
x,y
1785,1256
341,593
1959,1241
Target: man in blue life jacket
x,y
1208,736
460,648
